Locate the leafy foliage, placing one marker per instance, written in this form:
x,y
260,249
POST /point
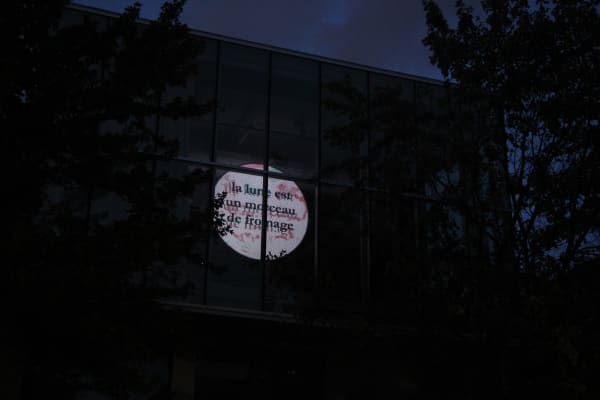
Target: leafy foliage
x,y
531,66
535,65
94,237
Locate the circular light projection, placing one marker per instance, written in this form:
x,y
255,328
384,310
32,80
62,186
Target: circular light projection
x,y
287,213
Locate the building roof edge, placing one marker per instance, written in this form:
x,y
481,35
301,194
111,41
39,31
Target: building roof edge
x,y
309,56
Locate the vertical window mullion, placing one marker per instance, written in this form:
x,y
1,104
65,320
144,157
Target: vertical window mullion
x,y
263,242
318,184
366,281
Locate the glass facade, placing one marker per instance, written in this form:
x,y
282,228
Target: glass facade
x,y
317,215
342,188
377,164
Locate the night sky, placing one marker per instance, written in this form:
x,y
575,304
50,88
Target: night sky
x,y
379,33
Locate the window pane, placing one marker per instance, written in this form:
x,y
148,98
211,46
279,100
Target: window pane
x,y
241,105
108,206
193,134
345,124
294,115
439,148
341,246
394,269
70,18
186,252
235,269
444,253
290,277
199,143
392,148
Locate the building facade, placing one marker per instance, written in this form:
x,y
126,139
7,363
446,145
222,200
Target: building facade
x,y
346,192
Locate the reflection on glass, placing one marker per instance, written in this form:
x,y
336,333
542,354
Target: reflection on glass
x,y
341,246
242,100
294,115
394,268
440,150
191,209
443,230
233,280
235,275
344,124
108,207
70,18
193,134
392,148
290,278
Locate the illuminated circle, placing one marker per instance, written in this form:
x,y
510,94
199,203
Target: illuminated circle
x,y
287,213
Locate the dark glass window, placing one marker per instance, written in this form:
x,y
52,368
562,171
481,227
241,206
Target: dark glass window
x,y
242,101
290,277
294,115
442,234
235,279
100,22
108,207
439,149
392,148
194,133
186,244
394,268
496,232
344,124
341,246
71,18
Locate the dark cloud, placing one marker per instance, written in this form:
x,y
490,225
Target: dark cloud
x,y
380,33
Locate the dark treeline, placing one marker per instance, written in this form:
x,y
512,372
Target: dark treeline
x,y
94,237
529,68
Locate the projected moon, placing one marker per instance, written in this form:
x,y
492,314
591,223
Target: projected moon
x,y
287,213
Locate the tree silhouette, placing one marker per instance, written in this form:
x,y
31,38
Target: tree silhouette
x,y
530,69
95,237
